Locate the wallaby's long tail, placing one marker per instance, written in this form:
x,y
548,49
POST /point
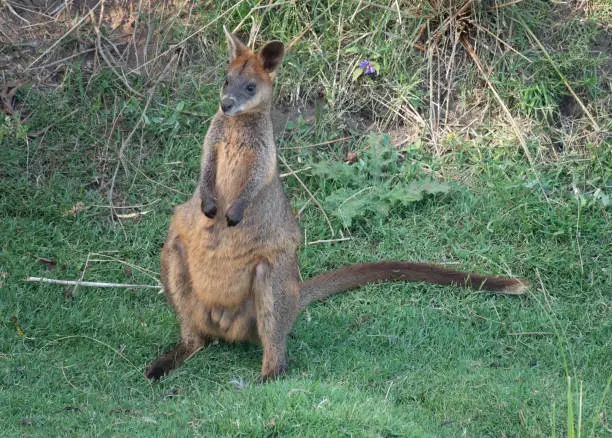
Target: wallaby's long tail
x,y
352,276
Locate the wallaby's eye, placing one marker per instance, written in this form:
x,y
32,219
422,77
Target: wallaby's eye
x,y
225,82
250,88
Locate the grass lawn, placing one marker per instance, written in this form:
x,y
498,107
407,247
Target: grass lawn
x,y
90,169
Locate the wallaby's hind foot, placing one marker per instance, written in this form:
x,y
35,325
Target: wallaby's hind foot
x,y
272,374
172,359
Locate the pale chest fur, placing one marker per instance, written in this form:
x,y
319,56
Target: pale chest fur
x,y
234,164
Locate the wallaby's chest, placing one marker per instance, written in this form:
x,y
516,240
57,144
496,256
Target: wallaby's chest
x,y
234,164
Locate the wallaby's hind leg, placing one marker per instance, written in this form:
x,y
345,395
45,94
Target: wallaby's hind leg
x,y
177,286
276,292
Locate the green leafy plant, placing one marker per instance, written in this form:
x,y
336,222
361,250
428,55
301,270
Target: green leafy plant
x,y
538,101
378,181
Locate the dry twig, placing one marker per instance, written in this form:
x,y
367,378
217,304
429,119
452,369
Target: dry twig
x,y
72,29
91,283
317,203
342,239
515,127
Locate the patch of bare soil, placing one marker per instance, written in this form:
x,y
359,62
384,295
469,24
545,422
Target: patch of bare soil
x,y
39,39
282,114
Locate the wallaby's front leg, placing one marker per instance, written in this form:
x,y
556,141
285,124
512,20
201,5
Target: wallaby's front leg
x,y
259,176
208,177
276,292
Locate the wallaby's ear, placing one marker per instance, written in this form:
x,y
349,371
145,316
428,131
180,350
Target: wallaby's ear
x,y
271,55
234,46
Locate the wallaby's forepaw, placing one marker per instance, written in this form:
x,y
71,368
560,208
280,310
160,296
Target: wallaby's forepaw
x,y
209,207
234,215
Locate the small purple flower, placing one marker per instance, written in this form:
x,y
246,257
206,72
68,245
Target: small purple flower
x,y
367,68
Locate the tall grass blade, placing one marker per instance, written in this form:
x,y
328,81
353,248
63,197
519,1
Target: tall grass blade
x,y
570,410
561,75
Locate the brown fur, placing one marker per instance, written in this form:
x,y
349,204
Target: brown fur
x,y
231,272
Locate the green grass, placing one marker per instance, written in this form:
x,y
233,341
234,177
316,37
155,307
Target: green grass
x,y
384,360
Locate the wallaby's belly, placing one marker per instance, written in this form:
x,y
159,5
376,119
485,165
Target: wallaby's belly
x,y
220,277
220,264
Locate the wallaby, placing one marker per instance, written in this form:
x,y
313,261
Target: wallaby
x,y
229,266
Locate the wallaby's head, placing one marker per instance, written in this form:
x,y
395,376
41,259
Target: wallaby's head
x,y
248,84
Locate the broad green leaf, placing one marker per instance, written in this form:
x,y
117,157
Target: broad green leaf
x,y
356,73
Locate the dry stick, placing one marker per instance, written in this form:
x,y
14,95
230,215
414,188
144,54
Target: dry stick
x,y
578,231
317,144
376,5
301,210
12,11
138,13
503,5
114,46
126,142
132,215
255,27
151,92
515,127
51,64
317,203
57,11
329,240
450,77
297,38
392,109
172,189
153,275
501,41
274,4
354,195
45,129
399,17
124,145
32,11
90,283
561,75
356,11
122,78
70,383
72,29
76,286
5,35
118,352
432,108
333,93
188,37
442,28
100,17
285,175
246,17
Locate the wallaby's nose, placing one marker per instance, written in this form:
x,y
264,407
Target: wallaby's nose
x,y
227,103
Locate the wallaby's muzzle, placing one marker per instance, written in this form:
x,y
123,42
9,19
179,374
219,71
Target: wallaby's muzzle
x,y
227,104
